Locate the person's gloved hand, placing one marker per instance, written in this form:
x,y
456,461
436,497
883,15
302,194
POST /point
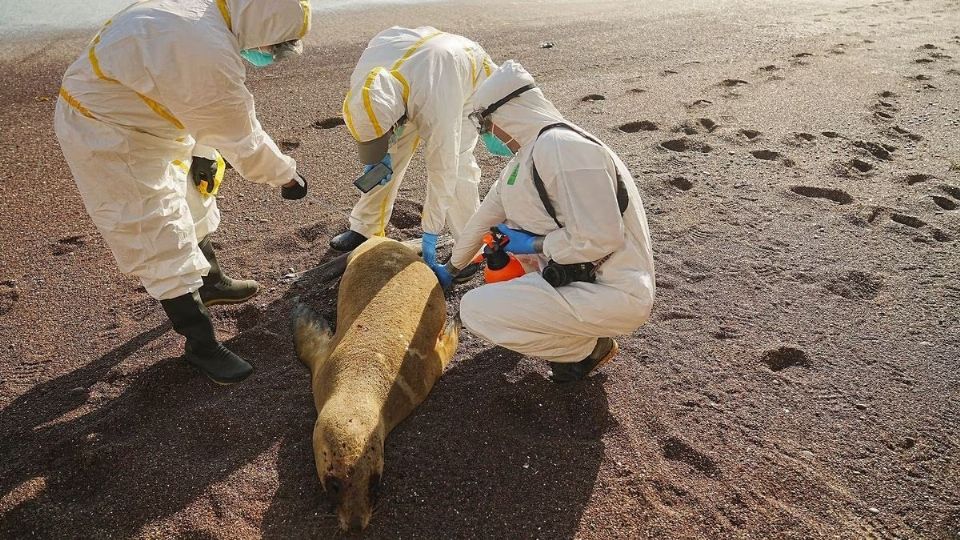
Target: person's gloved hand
x,y
429,246
203,170
521,242
444,274
386,161
295,189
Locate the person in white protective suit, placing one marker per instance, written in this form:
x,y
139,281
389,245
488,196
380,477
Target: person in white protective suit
x,y
162,82
585,242
412,86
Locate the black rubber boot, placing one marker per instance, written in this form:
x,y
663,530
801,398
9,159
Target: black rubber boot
x,y
218,288
467,273
603,352
347,241
191,320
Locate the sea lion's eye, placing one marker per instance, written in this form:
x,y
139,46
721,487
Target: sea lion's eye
x,y
374,488
334,487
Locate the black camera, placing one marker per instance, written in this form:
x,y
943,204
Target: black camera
x,y
559,275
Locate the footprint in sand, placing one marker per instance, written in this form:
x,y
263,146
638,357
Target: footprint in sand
x,y
329,123
952,191
680,183
770,155
311,232
855,285
917,178
590,98
691,127
785,357
877,150
769,68
675,449
901,133
839,48
732,83
684,144
944,203
69,244
940,56
831,194
749,134
914,222
888,94
289,145
854,166
831,135
883,116
800,139
908,220
924,60
699,104
638,126
921,77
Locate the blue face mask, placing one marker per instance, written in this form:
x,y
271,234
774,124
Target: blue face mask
x,y
257,58
495,146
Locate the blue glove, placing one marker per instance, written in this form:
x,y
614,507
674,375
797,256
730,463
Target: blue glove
x,y
445,277
386,161
430,249
521,242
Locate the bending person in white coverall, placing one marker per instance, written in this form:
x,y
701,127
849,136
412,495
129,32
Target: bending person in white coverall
x,y
162,82
414,85
597,222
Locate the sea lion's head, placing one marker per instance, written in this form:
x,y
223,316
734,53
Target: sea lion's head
x,y
349,458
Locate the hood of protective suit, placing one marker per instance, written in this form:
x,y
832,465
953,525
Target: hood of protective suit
x,y
374,105
523,116
258,23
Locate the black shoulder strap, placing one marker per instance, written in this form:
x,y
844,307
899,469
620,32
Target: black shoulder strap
x,y
623,198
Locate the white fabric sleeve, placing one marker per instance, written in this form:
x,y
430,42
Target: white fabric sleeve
x,y
439,123
580,178
217,109
490,214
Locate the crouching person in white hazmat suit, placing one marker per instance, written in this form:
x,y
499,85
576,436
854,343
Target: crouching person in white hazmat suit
x,y
571,212
412,86
162,82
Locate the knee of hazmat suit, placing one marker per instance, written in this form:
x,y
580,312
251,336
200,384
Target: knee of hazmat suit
x,y
159,78
426,77
580,176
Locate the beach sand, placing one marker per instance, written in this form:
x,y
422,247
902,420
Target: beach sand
x,y
799,378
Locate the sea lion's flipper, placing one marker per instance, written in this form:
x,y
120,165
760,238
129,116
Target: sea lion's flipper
x,y
311,334
448,341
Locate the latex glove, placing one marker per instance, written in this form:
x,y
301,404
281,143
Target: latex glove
x,y
386,161
430,249
521,242
295,189
443,274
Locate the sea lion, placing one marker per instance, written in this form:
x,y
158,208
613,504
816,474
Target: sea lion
x,y
391,345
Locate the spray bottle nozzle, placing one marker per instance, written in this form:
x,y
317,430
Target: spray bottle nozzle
x,y
501,266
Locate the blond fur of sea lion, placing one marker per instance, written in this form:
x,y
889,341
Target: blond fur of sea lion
x,y
391,345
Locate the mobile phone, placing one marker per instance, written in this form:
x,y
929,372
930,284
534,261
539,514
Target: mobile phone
x,y
372,178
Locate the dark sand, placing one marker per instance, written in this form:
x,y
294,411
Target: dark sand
x,y
799,377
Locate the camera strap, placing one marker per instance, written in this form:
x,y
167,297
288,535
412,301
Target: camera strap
x,y
623,198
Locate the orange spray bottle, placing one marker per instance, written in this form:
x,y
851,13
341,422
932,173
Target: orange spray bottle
x,y
501,266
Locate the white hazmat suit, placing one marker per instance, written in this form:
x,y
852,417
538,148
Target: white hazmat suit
x,y
430,76
527,314
161,82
